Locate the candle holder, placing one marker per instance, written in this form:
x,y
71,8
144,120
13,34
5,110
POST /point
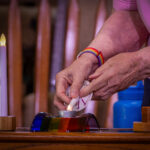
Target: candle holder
x,y
66,122
7,123
67,114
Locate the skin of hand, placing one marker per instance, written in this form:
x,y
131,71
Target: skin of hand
x,y
73,76
117,74
122,32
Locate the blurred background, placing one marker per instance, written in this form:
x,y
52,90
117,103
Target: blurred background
x,y
71,25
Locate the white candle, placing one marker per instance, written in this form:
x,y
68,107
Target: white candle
x,y
3,77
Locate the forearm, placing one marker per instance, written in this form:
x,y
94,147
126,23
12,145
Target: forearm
x,y
122,32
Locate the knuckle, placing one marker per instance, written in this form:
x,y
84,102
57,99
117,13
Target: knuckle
x,y
101,95
58,75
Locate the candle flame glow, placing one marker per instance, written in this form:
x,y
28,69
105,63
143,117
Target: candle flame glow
x,y
69,108
2,40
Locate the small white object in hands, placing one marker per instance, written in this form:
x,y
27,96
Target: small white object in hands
x,y
79,103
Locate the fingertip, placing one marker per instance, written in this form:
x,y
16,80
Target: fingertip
x,y
74,93
63,97
67,100
84,92
93,76
75,88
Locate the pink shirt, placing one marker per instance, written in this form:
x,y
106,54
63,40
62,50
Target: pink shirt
x,y
143,6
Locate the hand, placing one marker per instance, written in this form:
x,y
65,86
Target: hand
x,y
116,74
73,76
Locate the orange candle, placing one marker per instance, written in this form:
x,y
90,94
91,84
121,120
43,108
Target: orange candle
x,y
3,77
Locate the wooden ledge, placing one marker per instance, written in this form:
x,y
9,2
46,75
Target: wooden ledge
x,y
146,114
60,137
7,123
141,126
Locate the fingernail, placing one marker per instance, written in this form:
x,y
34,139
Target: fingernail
x,y
81,93
73,94
90,77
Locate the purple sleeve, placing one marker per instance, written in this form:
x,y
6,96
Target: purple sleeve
x,y
124,4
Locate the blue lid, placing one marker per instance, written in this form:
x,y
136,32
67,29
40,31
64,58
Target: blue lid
x,y
134,92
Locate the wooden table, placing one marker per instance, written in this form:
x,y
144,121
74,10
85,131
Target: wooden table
x,y
103,140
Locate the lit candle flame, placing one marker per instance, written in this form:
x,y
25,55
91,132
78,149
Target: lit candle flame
x,y
2,40
72,104
69,108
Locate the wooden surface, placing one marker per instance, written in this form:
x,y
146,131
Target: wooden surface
x,y
74,141
141,126
7,123
146,114
72,33
145,124
15,62
42,58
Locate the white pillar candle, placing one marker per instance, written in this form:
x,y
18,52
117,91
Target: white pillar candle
x,y
3,77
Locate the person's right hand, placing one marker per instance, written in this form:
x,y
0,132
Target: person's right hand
x,y
73,76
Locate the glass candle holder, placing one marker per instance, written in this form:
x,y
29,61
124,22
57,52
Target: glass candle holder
x,y
67,114
83,123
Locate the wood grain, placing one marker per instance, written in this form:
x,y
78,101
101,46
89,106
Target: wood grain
x,y
101,16
72,146
15,62
42,58
7,123
141,126
72,33
74,141
146,113
75,137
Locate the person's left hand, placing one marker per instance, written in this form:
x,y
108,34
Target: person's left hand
x,y
116,74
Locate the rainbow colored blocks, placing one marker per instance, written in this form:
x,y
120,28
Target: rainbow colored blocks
x,y
46,122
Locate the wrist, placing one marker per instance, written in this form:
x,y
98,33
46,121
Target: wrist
x,y
89,59
94,52
89,62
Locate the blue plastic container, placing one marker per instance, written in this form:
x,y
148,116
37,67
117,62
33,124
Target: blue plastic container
x,y
128,108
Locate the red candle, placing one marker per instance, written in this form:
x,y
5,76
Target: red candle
x,y
3,77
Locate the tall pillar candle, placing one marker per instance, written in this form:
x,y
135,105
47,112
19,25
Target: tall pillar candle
x,y
3,77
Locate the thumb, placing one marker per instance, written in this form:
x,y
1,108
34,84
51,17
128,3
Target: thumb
x,y
96,74
75,87
87,90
